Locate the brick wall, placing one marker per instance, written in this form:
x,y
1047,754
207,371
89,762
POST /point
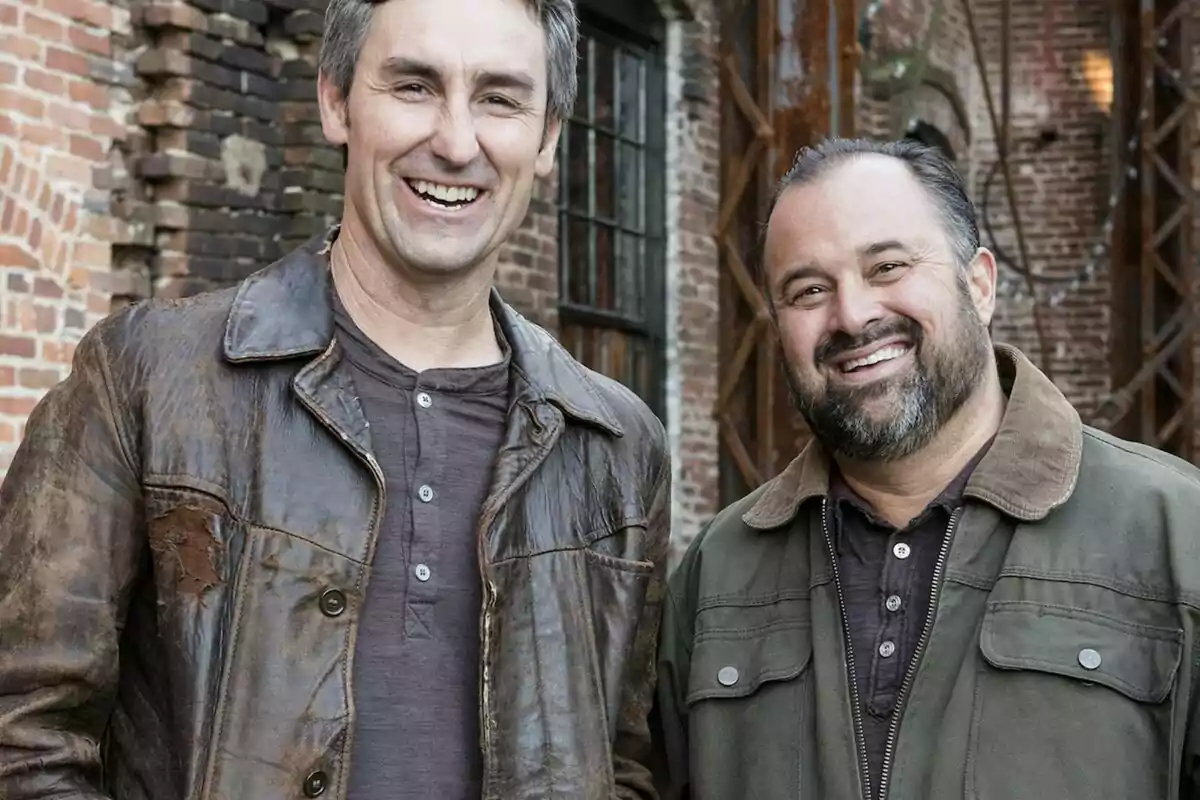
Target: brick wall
x,y
62,103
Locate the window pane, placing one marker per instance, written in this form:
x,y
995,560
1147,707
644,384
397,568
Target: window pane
x,y
578,266
603,69
632,108
631,287
579,170
629,187
605,273
605,175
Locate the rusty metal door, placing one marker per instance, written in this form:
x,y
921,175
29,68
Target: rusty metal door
x,y
787,79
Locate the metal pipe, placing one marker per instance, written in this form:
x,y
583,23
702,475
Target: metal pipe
x,y
1002,154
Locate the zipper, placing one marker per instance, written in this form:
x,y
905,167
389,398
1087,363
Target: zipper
x,y
902,698
488,515
859,738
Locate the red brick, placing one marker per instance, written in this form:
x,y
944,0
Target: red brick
x,y
97,255
8,376
8,74
45,319
58,352
17,406
8,127
32,378
19,346
44,81
43,28
8,432
98,15
89,42
45,135
12,99
44,287
88,147
90,92
66,61
8,14
20,46
12,255
68,117
71,169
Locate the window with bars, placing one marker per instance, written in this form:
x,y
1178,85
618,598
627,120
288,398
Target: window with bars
x,y
612,304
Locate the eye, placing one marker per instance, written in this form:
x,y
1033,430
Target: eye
x,y
888,269
808,296
501,100
410,89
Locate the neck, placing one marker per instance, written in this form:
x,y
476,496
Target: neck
x,y
423,324
900,490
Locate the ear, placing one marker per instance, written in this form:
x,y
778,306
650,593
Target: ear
x,y
545,158
335,123
981,280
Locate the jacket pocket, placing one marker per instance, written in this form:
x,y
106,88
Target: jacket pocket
x,y
1071,704
750,710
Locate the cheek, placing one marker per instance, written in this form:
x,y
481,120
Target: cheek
x,y
798,341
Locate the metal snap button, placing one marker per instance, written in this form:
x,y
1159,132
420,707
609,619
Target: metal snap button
x,y
893,603
727,676
315,783
332,602
425,493
1089,659
887,649
422,572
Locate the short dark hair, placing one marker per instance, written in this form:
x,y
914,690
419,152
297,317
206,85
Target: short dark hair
x,y
928,165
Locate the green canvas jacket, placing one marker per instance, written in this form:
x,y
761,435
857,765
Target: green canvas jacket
x,y
1058,661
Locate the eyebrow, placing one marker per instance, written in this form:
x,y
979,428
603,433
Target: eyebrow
x,y
401,66
875,248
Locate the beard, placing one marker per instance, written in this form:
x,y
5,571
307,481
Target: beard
x,y
913,407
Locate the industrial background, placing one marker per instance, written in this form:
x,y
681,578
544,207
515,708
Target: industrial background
x,y
161,147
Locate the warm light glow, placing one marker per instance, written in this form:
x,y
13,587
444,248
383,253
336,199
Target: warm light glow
x,y
1098,72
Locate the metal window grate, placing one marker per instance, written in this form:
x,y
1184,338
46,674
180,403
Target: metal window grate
x,y
611,209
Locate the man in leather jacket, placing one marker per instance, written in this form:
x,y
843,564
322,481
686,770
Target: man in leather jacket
x,y
353,527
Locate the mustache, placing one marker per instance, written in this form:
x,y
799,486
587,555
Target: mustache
x,y
839,342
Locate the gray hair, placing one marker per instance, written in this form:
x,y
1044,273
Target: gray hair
x,y
929,166
347,23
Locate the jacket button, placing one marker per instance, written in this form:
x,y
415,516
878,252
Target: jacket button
x,y
314,784
333,602
1089,659
727,676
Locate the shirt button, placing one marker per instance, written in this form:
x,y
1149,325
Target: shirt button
x,y
422,572
314,784
333,602
1089,659
893,603
424,400
901,551
425,493
887,649
727,676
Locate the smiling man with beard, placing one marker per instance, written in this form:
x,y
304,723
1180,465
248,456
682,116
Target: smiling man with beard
x,y
957,589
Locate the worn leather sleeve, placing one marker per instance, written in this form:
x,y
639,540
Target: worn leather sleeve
x,y
631,750
69,545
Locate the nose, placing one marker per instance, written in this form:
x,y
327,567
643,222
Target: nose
x,y
455,140
857,308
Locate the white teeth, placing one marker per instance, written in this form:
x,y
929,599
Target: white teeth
x,y
883,354
446,194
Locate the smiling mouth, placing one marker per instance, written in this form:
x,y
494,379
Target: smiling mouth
x,y
444,196
880,356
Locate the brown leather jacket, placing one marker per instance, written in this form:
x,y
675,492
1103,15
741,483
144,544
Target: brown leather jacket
x,y
186,508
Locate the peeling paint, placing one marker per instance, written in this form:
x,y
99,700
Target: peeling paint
x,y
186,533
245,162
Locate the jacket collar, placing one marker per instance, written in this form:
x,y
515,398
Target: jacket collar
x,y
284,311
1030,469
